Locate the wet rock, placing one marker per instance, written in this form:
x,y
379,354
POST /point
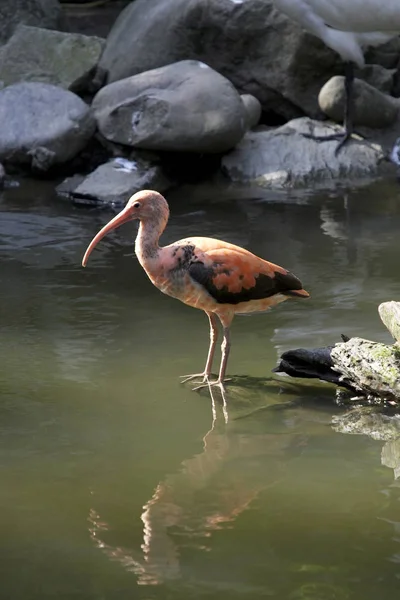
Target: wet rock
x,y
240,40
114,182
40,13
35,54
67,187
284,157
253,110
372,108
183,107
42,125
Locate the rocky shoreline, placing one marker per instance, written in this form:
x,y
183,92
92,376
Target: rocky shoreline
x,y
232,84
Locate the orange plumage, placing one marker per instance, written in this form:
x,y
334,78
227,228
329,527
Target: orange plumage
x,y
220,278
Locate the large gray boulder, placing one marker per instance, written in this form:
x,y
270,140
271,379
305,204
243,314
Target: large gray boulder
x,y
35,54
40,13
42,125
240,40
114,182
286,157
183,107
248,41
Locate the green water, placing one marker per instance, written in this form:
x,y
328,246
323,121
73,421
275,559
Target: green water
x,y
119,483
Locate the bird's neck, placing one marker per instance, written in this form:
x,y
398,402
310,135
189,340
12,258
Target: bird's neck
x,y
146,245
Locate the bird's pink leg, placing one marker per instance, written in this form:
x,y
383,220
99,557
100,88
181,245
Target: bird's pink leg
x,y
211,351
225,349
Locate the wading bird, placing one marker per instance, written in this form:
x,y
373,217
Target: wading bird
x,y
346,26
215,276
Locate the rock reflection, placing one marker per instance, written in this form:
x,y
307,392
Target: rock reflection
x,y
379,423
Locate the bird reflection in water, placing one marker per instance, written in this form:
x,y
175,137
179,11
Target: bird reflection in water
x,y
209,492
239,464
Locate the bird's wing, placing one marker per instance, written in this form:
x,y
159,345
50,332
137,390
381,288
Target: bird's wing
x,y
232,276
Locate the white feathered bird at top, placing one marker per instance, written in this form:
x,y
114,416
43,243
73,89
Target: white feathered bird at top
x,y
346,26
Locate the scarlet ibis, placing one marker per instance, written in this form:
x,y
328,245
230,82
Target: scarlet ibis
x,y
209,274
346,26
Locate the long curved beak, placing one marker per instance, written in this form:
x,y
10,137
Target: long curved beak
x,y
123,217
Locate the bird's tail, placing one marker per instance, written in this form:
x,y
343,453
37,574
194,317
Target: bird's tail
x,y
299,293
346,44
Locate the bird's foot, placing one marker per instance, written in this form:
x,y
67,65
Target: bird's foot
x,y
201,376
342,137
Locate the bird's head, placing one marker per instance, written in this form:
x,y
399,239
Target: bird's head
x,y
146,205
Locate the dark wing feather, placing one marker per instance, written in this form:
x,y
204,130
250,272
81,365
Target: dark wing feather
x,y
236,280
288,283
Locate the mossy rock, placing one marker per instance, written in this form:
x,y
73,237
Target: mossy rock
x,y
371,367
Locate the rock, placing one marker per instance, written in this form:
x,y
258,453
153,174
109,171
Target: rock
x,y
284,157
380,78
67,187
386,55
372,108
114,182
40,13
372,368
240,40
389,313
369,369
42,125
63,59
2,175
42,159
253,110
183,107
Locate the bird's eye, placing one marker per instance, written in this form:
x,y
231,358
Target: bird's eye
x,y
136,205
